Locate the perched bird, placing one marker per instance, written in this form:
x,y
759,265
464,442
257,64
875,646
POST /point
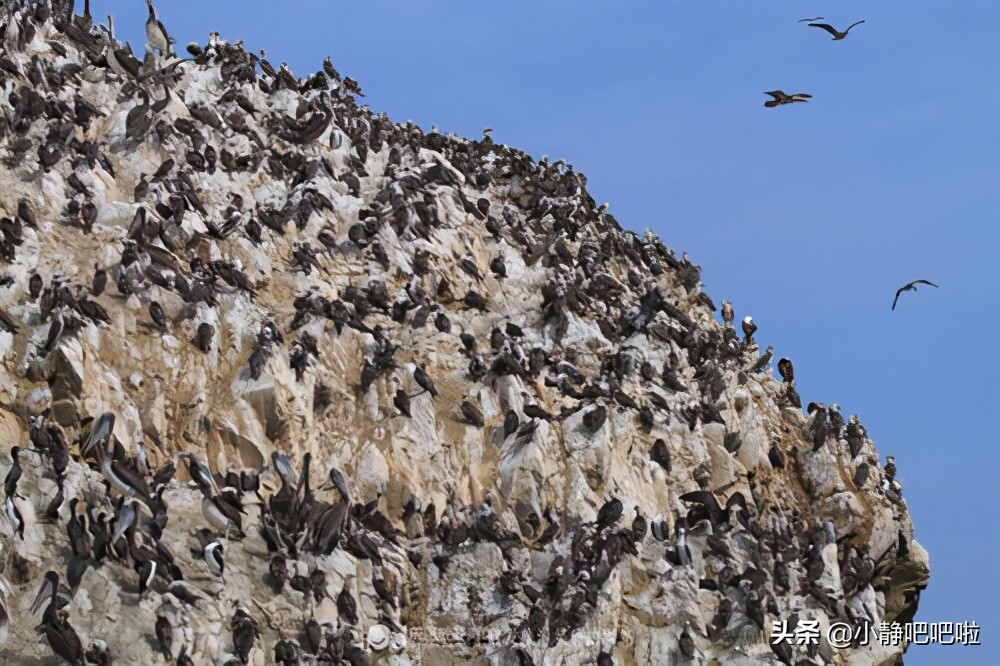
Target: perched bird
x,y
727,312
100,281
686,643
786,370
912,286
157,315
749,328
35,285
213,554
472,413
156,34
781,98
402,402
203,337
837,35
245,633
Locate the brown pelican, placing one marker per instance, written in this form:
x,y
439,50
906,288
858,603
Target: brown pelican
x,y
781,98
912,286
837,35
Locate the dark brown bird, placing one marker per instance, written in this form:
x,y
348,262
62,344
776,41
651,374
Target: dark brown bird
x,y
35,285
157,315
347,607
749,328
786,370
781,98
245,634
164,637
203,337
686,643
910,287
100,281
472,414
402,402
837,35
25,214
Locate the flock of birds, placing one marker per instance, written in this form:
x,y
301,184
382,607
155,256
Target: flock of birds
x,y
779,98
595,272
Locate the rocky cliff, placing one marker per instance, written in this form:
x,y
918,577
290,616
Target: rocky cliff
x,y
358,392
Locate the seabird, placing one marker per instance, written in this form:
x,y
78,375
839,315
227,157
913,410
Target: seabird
x,y
156,34
165,637
35,285
806,20
157,315
686,643
99,282
781,98
749,328
472,413
14,473
245,633
203,337
912,286
423,381
837,35
402,402
213,558
727,312
14,506
786,370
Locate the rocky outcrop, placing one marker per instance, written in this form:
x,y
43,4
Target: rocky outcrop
x,y
315,264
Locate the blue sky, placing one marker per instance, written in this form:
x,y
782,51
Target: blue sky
x,y
808,217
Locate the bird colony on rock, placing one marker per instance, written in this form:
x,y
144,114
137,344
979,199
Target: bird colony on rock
x,y
286,382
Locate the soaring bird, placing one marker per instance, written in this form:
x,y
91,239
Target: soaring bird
x,y
837,35
912,286
781,98
818,18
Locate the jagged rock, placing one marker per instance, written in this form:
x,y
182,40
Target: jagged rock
x,y
332,252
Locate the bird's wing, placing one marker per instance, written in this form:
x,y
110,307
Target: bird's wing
x,y
924,282
898,292
703,497
826,26
852,25
776,94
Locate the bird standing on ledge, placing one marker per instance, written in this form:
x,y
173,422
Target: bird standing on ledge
x,y
156,34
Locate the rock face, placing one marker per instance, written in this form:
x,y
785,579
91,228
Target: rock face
x,y
316,265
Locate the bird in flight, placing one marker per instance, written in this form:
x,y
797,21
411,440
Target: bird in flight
x,y
837,35
818,18
782,98
910,287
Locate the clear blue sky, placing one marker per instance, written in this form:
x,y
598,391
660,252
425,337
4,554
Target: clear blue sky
x,y
807,217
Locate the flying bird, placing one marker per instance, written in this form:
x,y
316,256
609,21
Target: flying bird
x,y
837,35
910,287
818,18
781,98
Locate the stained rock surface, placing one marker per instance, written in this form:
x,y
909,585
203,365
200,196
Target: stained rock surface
x,y
459,411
